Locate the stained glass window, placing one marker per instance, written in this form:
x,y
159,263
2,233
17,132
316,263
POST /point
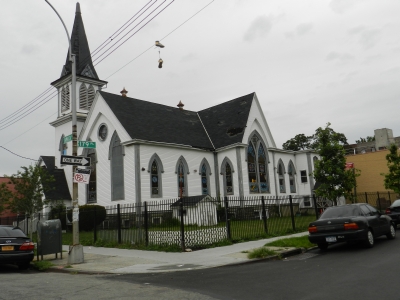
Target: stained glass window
x,y
154,179
204,181
257,166
228,179
291,178
282,187
181,180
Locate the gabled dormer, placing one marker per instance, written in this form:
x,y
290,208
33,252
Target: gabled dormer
x,y
87,80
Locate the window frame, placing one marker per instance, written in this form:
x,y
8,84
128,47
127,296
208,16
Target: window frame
x,y
160,170
254,180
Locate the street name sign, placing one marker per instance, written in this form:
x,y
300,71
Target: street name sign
x,y
75,160
68,138
87,144
82,176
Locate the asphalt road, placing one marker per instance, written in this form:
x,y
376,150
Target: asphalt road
x,y
342,272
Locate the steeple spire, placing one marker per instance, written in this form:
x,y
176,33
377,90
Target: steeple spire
x,y
80,47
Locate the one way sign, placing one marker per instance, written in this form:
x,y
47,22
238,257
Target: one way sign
x,y
75,160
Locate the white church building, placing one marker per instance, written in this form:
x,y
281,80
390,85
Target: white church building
x,y
147,151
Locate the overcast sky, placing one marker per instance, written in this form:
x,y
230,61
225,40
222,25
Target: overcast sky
x,y
310,62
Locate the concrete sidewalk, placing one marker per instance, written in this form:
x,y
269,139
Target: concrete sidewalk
x,y
98,260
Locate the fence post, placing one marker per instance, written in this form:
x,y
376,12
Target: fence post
x,y
17,220
146,224
379,202
228,222
119,222
182,226
291,212
366,198
264,215
315,206
95,226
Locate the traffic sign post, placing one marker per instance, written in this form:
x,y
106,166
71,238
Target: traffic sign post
x,y
68,138
87,144
75,161
82,176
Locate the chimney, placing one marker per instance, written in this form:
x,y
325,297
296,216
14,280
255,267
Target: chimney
x,y
180,105
124,92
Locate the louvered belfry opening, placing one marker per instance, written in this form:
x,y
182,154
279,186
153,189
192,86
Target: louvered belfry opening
x,y
65,98
86,96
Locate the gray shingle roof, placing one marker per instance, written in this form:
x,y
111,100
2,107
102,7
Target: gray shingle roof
x,y
156,122
61,190
225,123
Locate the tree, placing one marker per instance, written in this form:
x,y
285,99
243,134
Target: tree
x,y
330,170
365,140
5,196
302,142
299,142
392,179
30,186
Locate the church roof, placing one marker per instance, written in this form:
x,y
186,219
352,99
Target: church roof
x,y
80,47
60,189
224,124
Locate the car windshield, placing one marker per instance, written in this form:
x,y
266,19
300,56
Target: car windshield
x,y
341,212
396,203
11,232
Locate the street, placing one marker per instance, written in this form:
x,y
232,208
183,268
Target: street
x,y
342,272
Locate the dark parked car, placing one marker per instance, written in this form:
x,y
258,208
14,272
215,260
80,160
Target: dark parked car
x,y
15,247
347,223
393,211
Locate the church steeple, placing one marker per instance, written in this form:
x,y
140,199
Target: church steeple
x,y
80,47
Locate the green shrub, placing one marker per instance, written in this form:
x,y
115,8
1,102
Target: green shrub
x,y
87,215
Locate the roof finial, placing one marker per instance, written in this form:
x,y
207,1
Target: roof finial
x,y
124,92
78,8
180,105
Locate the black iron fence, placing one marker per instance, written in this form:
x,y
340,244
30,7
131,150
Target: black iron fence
x,y
380,200
191,221
197,221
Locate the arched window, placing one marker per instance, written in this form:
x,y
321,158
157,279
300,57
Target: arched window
x,y
90,98
155,169
281,174
226,172
205,172
62,146
92,186
257,164
181,171
116,157
83,97
292,180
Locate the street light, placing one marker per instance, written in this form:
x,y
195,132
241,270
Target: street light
x,y
75,255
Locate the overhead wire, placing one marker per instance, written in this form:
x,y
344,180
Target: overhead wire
x,y
104,58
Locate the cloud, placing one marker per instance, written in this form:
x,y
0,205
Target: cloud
x,y
304,28
189,57
341,6
28,49
368,38
259,28
339,57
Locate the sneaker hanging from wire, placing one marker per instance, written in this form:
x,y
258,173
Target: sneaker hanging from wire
x,y
160,62
158,44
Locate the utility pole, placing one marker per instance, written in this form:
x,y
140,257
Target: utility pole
x,y
75,254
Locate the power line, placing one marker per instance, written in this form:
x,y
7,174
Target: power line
x,y
18,154
160,40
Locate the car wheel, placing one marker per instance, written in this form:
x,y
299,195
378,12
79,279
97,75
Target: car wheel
x,y
24,266
392,232
322,246
369,242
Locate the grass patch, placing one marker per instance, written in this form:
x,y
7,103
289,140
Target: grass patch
x,y
261,253
42,265
297,242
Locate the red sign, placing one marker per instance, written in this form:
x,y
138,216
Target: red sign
x,y
349,165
